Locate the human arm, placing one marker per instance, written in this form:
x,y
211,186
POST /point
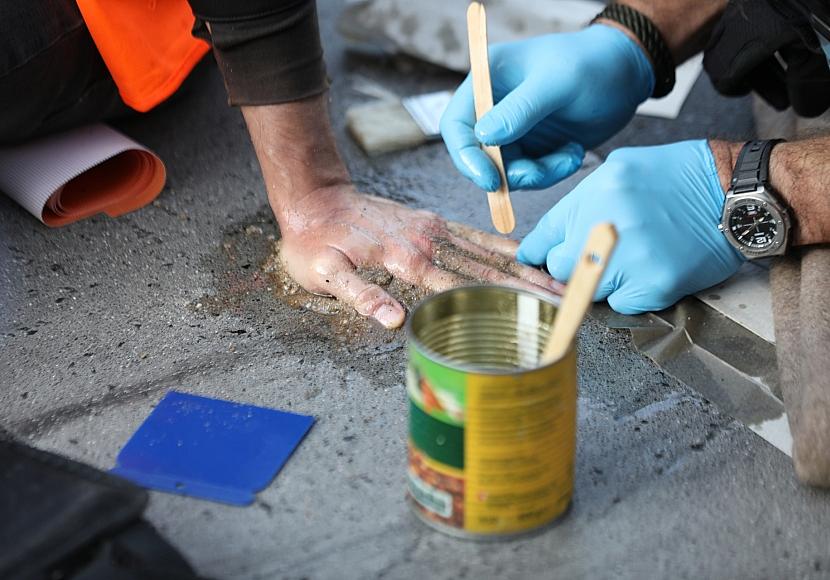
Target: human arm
x,y
684,24
800,175
334,240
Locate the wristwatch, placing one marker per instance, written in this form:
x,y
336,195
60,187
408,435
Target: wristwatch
x,y
755,221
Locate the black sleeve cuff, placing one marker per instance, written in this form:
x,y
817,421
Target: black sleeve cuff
x,y
267,55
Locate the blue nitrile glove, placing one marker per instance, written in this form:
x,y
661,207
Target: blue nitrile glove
x,y
666,203
555,96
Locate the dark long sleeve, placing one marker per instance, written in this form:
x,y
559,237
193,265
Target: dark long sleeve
x,y
269,51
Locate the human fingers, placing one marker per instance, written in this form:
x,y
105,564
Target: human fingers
x,y
499,244
456,126
532,275
366,298
624,302
520,110
560,262
487,273
645,290
415,268
545,171
504,247
549,232
607,285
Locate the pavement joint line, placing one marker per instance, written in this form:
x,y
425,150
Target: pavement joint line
x,y
40,423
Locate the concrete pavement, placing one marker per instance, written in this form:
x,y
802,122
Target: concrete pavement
x,y
99,319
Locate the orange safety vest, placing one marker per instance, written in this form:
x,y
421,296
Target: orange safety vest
x,y
146,45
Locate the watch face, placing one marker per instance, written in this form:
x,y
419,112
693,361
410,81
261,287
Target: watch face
x,y
753,226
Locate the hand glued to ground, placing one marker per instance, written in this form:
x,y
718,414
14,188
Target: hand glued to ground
x,y
372,254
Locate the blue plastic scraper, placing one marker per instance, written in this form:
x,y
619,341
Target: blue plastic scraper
x,y
210,449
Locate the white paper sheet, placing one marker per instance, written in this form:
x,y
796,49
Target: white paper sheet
x,y
669,106
427,109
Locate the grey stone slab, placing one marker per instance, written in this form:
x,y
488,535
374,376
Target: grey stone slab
x,y
99,319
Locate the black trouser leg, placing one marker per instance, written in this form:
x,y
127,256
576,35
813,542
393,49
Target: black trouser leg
x,y
51,75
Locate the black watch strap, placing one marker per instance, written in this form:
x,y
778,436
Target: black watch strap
x,y
752,168
651,38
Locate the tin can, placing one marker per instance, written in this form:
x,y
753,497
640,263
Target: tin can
x,y
492,434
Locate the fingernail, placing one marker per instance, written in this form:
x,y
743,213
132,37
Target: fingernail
x,y
389,316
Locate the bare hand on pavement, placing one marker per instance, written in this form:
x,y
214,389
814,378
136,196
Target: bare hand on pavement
x,y
333,234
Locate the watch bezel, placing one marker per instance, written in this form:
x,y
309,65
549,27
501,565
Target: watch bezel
x,y
760,197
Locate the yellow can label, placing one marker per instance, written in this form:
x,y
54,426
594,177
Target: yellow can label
x,y
491,454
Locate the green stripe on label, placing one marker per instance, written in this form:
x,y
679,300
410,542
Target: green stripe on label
x,y
438,440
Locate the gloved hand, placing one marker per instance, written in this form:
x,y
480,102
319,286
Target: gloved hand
x,y
555,95
666,203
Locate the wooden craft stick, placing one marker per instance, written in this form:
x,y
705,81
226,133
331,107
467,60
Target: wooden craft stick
x,y
501,211
579,294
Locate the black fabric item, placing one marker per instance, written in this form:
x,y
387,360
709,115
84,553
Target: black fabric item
x,y
62,519
268,52
51,75
741,57
816,13
136,553
222,10
652,40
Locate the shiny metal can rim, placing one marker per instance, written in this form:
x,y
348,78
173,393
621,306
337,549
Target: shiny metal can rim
x,y
475,369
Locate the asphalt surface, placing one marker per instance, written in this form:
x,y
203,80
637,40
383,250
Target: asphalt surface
x,y
100,319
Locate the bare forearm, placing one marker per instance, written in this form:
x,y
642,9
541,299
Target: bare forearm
x,y
800,174
685,24
297,153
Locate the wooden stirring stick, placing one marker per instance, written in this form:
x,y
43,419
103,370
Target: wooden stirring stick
x,y
501,211
579,294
